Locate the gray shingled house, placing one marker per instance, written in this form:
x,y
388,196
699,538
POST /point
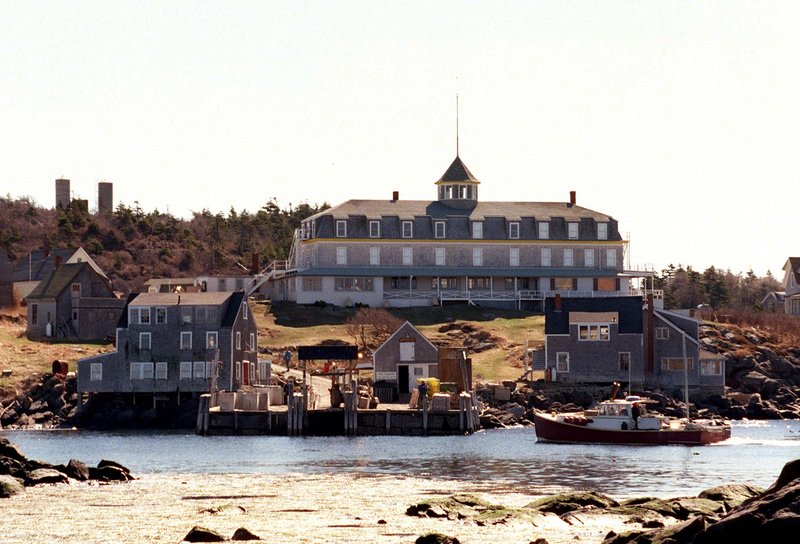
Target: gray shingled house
x,y
73,302
455,248
405,356
167,345
37,266
624,339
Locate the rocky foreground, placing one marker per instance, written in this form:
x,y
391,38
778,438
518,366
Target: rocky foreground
x,y
18,472
729,513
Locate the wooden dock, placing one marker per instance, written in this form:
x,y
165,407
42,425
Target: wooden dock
x,y
293,419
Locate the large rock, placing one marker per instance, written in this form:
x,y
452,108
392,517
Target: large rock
x,y
436,538
202,534
46,476
10,486
108,474
7,449
243,534
12,467
77,470
731,495
568,502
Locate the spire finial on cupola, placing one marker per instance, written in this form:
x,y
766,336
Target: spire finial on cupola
x,y
457,187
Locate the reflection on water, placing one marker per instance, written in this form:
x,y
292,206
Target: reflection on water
x,y
494,460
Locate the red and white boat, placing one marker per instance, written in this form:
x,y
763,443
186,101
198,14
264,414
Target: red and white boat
x,y
627,422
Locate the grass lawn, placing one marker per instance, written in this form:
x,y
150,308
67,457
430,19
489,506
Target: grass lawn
x,y
25,358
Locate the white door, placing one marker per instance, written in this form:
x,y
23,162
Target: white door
x,y
414,373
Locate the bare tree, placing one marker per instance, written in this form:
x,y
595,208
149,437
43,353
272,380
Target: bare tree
x,y
370,327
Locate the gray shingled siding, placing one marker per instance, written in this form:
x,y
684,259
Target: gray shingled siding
x,y
456,256
673,348
596,361
387,356
165,347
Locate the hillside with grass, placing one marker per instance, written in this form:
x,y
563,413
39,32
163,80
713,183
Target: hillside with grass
x,y
495,339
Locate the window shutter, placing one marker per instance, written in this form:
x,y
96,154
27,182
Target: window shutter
x,y
574,284
594,284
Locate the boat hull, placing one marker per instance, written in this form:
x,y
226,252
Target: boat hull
x,y
549,429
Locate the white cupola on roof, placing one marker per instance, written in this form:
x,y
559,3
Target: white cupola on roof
x,y
458,188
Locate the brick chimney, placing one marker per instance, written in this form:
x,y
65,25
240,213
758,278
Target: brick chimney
x,y
395,196
572,198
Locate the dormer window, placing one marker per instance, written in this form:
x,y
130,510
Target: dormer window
x,y
407,229
374,229
341,229
477,230
602,231
572,231
513,230
439,229
544,230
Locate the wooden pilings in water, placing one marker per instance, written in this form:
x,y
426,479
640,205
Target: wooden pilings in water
x,y
468,418
296,412
202,415
351,409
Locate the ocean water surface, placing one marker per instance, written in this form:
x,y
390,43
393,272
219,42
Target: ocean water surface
x,y
495,461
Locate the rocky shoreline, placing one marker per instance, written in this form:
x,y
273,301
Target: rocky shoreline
x,y
18,472
728,513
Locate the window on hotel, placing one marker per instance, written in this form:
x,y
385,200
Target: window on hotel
x,y
374,229
572,231
408,229
96,372
161,371
144,316
186,315
439,254
513,256
611,258
238,340
479,283
602,231
408,256
562,361
186,340
544,230
341,229
312,284
199,370
212,339
439,229
144,340
341,256
545,256
353,284
185,370
588,258
568,257
374,256
477,230
444,283
513,230
477,257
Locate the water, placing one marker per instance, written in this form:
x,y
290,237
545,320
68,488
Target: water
x,y
500,460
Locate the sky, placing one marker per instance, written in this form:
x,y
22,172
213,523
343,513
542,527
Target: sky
x,y
679,119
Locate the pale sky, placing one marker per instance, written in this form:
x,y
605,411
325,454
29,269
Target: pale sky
x,y
679,119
